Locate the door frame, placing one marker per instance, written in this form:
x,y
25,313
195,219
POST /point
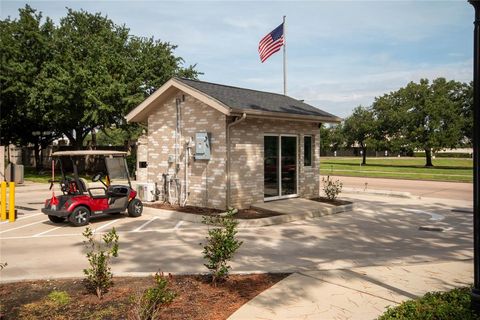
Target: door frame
x,y
279,172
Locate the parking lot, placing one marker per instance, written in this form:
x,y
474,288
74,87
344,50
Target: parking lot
x,y
380,231
37,225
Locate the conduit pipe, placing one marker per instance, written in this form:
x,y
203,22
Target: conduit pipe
x,y
186,164
237,121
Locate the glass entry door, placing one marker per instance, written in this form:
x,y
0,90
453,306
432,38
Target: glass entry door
x,y
280,166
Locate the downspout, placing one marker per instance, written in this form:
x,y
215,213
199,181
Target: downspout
x,y
177,131
237,121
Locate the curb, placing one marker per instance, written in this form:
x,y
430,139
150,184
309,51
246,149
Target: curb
x,y
294,216
389,193
252,223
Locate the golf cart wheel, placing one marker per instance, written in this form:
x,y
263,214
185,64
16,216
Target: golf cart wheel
x,y
135,208
56,219
80,216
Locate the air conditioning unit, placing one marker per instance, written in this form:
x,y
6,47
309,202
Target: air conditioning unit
x,y
146,191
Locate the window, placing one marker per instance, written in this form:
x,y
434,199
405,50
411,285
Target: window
x,y
307,151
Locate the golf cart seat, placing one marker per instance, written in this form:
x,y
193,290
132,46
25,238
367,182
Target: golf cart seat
x,y
83,184
117,191
117,195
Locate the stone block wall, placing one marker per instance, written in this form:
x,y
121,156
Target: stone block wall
x,y
247,150
142,155
207,179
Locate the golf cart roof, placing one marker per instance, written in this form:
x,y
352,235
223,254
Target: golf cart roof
x,y
89,153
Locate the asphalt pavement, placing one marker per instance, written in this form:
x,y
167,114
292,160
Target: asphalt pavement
x,y
417,188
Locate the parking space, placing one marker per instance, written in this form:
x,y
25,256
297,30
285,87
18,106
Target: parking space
x,y
35,224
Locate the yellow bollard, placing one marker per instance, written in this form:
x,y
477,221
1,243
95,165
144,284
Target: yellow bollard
x,y
11,209
3,201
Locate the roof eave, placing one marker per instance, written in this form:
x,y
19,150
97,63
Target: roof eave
x,y
89,152
286,116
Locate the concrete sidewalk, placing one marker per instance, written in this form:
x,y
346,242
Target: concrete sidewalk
x,y
358,293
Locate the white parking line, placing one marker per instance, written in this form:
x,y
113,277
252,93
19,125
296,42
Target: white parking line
x,y
44,232
145,224
79,234
27,225
178,225
105,225
433,216
26,217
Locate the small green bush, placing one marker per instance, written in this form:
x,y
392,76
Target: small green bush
x,y
147,305
60,298
331,188
52,305
221,245
98,275
454,304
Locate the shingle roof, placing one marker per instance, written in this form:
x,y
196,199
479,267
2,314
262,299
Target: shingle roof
x,y
247,99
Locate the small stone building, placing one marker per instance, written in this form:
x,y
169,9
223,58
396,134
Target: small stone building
x,y
218,146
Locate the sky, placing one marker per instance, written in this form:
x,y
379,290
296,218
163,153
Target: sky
x,y
340,54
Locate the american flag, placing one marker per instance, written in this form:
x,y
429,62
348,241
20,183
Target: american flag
x,y
271,43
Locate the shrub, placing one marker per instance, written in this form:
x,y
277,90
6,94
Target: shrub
x,y
454,304
98,276
331,188
147,305
221,245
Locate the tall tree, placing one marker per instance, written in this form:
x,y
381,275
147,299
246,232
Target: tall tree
x,y
80,76
464,98
83,85
25,47
331,138
424,116
360,128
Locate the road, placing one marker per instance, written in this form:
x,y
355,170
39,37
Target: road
x,y
430,189
380,231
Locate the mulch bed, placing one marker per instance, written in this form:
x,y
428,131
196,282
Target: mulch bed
x,y
196,298
241,214
335,202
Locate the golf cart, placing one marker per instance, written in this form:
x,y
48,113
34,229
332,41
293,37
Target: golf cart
x,y
82,200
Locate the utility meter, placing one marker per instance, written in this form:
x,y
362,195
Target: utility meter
x,y
202,146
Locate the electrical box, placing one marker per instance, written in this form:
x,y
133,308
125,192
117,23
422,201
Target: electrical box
x,y
202,146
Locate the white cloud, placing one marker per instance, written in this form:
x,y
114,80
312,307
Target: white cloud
x,y
340,53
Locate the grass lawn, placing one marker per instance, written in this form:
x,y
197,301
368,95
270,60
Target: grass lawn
x,y
30,174
445,169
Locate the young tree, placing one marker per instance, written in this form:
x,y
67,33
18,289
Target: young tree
x,y
360,128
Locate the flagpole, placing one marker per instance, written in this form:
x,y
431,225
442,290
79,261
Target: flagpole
x,y
284,57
